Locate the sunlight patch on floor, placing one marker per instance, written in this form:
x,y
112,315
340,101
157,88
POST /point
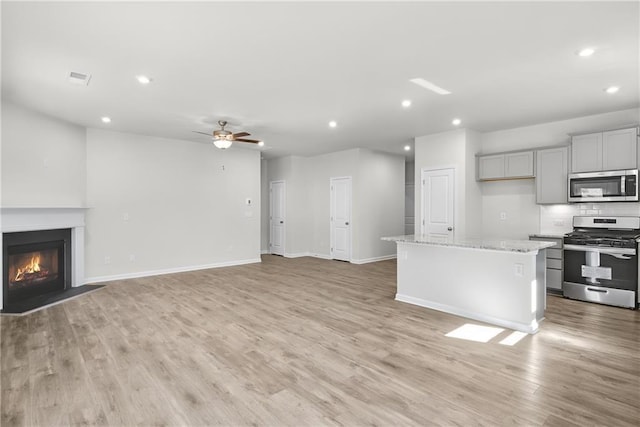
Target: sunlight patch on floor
x,y
513,338
476,333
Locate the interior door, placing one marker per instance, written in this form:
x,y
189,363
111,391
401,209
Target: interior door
x,y
277,217
341,218
438,203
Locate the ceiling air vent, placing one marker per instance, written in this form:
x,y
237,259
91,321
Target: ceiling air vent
x,y
79,78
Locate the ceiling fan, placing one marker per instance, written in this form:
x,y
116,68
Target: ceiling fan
x,y
223,138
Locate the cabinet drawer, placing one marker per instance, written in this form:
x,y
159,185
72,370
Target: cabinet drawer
x,y
554,253
555,264
554,279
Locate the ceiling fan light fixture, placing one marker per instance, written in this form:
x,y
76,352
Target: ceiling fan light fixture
x,y
222,143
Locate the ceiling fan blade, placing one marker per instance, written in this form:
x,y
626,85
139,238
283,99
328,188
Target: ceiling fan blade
x,y
240,134
253,141
203,133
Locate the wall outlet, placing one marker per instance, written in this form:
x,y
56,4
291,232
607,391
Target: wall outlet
x,y
503,216
125,216
107,260
132,258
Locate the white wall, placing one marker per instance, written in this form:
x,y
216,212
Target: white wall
x,y
321,170
409,197
517,197
380,196
452,149
172,205
264,206
43,160
377,201
293,171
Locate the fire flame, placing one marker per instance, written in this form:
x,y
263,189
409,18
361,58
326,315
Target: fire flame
x,y
32,267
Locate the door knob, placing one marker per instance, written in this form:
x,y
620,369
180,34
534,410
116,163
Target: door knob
x,y
450,228
281,222
346,223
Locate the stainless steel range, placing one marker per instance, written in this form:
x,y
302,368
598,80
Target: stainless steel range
x,y
601,260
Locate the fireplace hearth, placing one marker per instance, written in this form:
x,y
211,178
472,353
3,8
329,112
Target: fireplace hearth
x,y
35,264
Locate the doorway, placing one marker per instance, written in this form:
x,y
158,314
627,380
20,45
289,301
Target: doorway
x,y
340,210
277,224
437,218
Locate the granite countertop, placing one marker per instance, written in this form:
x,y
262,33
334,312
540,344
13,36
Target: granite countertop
x,y
547,236
496,244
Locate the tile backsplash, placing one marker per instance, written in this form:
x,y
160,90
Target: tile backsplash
x,y
557,219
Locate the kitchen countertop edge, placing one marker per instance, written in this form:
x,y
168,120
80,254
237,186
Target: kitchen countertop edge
x,y
520,246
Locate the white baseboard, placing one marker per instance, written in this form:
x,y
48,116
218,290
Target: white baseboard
x,y
264,252
516,326
374,259
326,256
296,255
139,274
321,256
301,254
353,261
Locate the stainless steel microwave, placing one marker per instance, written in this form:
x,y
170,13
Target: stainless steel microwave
x,y
606,186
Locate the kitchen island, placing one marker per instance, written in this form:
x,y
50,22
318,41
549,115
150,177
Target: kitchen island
x,y
501,282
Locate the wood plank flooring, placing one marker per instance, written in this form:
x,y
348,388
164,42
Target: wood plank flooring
x,y
307,342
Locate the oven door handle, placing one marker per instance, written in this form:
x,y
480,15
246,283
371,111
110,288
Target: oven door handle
x,y
622,253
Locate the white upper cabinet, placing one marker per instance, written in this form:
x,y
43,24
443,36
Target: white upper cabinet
x,y
619,149
518,165
586,152
506,166
611,150
491,167
552,167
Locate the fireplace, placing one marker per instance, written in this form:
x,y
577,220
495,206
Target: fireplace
x,y
35,263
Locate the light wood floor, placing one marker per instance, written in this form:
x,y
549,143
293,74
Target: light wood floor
x,y
307,342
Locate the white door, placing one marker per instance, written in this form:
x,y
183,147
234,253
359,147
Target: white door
x,y
437,203
277,217
341,218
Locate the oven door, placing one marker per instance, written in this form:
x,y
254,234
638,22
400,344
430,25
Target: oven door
x,y
601,274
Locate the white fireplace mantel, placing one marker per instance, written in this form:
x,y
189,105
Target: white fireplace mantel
x,y
16,219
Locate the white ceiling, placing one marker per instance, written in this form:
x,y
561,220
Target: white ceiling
x,y
282,71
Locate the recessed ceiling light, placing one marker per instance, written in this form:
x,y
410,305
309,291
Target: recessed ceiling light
x,y
587,51
407,148
406,103
106,119
612,89
261,144
143,79
430,86
333,124
456,122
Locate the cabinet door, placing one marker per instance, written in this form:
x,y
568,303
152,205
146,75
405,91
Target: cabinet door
x,y
518,165
586,152
619,149
491,167
551,175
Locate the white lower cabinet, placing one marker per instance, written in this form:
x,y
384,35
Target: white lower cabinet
x,y
555,274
